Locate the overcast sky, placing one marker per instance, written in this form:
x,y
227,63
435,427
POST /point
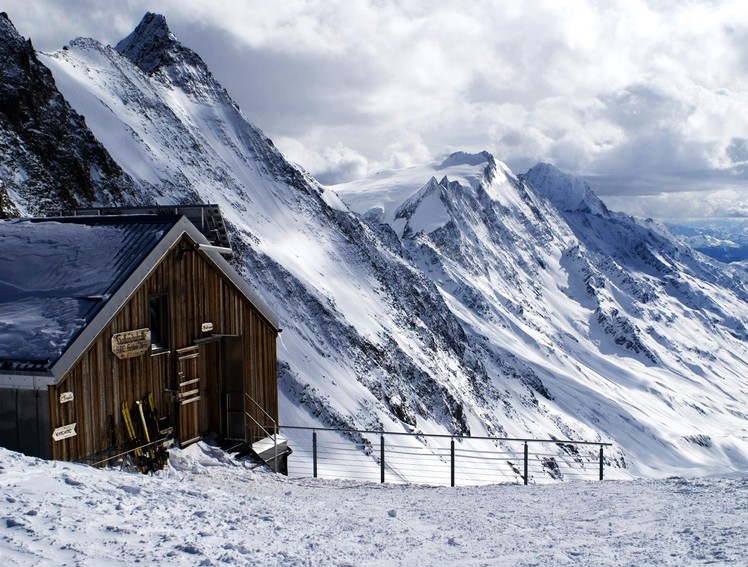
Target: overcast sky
x,y
647,100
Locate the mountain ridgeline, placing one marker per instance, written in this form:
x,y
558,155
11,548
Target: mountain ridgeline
x,y
455,298
49,159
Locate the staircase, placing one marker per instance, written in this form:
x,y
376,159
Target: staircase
x,y
273,451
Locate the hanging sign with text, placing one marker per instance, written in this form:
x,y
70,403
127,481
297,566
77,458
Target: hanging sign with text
x,y
64,432
131,343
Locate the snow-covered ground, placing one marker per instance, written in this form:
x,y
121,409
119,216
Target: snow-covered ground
x,y
207,509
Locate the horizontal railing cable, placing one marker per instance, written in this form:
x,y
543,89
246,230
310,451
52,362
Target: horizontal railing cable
x,y
387,457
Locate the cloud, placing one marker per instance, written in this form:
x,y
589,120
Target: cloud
x,y
340,164
647,98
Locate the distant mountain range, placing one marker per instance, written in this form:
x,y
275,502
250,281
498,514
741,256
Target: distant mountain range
x,y
457,297
723,239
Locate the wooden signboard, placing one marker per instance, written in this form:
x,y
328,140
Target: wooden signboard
x,y
64,432
66,397
131,343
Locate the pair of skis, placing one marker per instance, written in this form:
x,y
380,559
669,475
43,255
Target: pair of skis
x,y
150,455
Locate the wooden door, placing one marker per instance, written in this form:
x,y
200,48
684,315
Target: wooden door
x,y
232,389
188,396
210,380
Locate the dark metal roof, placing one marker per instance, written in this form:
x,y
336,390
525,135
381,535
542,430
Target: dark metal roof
x,y
78,272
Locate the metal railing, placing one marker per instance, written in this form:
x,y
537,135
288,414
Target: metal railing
x,y
448,460
275,429
249,438
264,429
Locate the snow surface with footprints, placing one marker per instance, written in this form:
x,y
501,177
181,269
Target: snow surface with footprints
x,y
207,509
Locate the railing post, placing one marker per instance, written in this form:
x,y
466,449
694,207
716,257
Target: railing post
x,y
452,460
314,453
602,463
527,459
275,447
381,450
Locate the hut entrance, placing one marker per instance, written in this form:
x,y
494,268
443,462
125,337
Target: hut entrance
x,y
188,395
222,409
233,426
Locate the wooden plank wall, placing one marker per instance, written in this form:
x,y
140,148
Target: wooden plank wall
x,y
260,342
198,293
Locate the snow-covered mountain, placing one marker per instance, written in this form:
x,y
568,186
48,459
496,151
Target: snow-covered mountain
x,y
723,239
612,321
456,297
49,159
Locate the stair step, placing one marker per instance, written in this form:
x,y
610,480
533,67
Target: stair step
x,y
266,450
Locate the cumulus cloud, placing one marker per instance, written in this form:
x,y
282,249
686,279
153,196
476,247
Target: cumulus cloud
x,y
341,164
644,98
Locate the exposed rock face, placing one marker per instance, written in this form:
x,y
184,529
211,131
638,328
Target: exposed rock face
x,y
461,299
152,46
49,159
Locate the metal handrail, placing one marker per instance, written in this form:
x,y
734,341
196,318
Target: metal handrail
x,y
522,456
258,424
251,399
447,436
247,414
267,433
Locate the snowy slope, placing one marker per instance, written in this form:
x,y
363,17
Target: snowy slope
x,y
460,300
49,159
610,320
208,510
567,192
368,341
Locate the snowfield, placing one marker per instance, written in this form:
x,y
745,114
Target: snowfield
x,y
207,509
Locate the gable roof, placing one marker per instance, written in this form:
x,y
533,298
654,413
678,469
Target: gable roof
x,y
63,279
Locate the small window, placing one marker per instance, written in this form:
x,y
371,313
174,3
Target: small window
x,y
159,321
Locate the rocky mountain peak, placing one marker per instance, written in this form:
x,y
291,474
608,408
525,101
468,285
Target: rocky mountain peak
x,y
156,51
18,59
568,193
49,159
151,44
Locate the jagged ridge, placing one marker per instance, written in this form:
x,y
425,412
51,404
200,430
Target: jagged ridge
x,y
508,316
50,159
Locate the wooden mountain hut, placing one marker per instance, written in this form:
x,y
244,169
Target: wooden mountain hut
x,y
105,313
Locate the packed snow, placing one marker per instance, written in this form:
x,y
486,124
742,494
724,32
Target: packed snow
x,y
208,509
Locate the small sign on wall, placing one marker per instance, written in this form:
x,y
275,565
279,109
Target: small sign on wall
x,y
207,327
66,397
131,343
64,432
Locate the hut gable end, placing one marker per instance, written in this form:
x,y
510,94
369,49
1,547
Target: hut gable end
x,y
181,327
